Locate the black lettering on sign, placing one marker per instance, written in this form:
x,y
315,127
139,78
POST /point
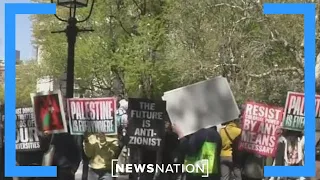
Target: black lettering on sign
x,y
146,122
27,138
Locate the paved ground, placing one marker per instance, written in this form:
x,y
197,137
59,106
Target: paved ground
x,y
79,174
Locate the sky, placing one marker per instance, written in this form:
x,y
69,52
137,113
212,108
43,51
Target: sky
x,y
23,33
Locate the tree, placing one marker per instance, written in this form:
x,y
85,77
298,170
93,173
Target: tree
x,y
260,55
26,83
146,47
123,56
26,79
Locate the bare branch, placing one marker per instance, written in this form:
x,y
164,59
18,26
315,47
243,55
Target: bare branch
x,y
138,6
278,70
223,65
121,25
232,6
297,50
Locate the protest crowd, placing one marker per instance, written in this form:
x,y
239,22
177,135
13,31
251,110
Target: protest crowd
x,y
198,122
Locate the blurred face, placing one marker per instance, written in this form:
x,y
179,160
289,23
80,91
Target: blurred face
x,y
167,126
279,132
46,133
101,137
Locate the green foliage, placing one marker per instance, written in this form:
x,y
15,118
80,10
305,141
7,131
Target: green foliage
x,y
26,83
26,80
146,47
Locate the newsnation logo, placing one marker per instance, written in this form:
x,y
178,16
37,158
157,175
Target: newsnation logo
x,y
201,167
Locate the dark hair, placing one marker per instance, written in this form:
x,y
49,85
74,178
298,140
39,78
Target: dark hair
x,y
214,127
223,124
226,123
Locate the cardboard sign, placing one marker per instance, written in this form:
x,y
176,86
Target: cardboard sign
x,y
146,122
261,126
49,112
204,104
93,115
27,135
294,112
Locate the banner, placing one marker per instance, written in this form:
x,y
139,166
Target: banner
x,y
260,126
201,105
49,112
146,122
93,115
294,112
27,137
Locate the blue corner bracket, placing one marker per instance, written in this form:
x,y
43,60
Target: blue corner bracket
x,y
11,170
309,12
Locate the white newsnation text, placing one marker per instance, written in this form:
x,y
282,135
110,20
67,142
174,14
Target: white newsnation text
x,y
159,168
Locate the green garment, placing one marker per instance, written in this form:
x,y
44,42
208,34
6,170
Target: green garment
x,y
206,154
46,120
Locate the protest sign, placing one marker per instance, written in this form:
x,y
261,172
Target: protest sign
x,y
204,104
261,126
93,115
49,112
146,122
27,136
294,112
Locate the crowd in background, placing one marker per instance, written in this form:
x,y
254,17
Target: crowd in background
x,y
99,149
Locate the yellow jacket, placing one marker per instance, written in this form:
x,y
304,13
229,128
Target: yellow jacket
x,y
233,131
101,150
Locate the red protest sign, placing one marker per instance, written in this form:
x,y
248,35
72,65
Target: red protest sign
x,y
49,112
261,125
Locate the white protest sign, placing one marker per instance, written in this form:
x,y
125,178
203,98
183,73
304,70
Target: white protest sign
x,y
206,103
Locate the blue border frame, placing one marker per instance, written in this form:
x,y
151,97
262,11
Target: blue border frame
x,y
11,9
309,12
11,170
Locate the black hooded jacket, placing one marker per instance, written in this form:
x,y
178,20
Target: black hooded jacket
x,y
192,145
67,151
34,157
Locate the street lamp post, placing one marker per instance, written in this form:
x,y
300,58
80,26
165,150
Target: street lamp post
x,y
71,32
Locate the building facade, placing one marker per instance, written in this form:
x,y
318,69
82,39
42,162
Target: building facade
x,y
48,83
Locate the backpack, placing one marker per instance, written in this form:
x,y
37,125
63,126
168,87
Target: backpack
x,y
238,157
207,155
121,118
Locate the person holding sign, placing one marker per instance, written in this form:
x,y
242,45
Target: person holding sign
x,y
204,144
229,135
100,150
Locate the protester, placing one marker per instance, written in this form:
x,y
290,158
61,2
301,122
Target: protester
x,y
293,148
148,156
67,156
253,167
196,145
34,158
170,152
230,162
122,121
100,150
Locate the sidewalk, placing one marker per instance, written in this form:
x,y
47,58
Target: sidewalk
x,y
79,174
